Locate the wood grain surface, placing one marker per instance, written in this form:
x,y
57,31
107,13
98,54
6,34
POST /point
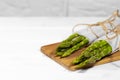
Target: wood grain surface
x,y
49,50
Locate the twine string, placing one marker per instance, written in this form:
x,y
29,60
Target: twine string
x,y
110,20
116,30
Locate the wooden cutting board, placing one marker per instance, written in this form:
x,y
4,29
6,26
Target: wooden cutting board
x,y
49,50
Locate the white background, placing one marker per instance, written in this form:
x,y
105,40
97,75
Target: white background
x,y
63,8
21,59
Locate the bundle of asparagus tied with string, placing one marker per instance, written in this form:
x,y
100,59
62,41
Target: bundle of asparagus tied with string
x,y
102,47
84,36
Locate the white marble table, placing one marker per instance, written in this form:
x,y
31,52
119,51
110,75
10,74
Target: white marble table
x,y
20,56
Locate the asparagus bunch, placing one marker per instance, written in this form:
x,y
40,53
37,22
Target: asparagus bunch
x,y
71,44
94,52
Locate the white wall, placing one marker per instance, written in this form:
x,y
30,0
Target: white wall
x,y
58,7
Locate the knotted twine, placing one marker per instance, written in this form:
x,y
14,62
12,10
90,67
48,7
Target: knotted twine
x,y
110,20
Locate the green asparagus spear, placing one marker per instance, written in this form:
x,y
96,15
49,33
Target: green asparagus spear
x,y
104,51
68,43
76,47
83,56
77,40
65,43
72,37
86,53
95,45
71,41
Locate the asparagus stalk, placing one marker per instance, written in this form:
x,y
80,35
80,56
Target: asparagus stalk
x,y
72,37
76,47
95,45
107,49
72,40
83,56
77,40
88,52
